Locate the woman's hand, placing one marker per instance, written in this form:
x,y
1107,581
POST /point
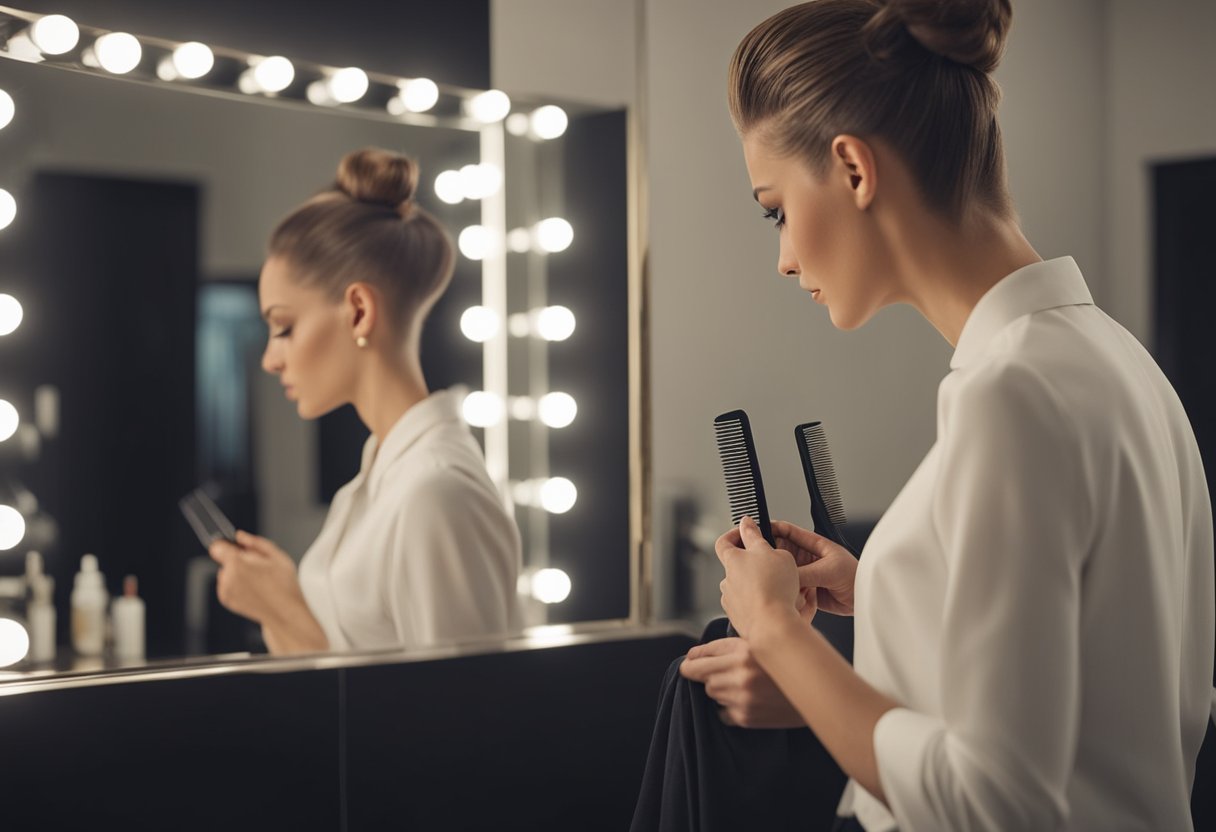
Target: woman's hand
x,y
826,570
257,579
734,680
761,582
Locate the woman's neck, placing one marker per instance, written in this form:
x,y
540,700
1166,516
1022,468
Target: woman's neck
x,y
386,390
948,268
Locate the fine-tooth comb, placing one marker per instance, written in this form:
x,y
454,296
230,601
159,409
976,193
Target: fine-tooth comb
x,y
744,487
827,507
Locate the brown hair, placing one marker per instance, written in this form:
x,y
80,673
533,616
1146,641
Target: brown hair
x,y
911,72
367,228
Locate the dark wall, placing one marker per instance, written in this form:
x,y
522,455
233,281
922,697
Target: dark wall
x,y
448,42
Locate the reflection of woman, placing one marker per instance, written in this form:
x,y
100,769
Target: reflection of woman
x,y
1034,613
417,547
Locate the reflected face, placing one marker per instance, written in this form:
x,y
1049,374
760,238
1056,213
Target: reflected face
x,y
822,232
309,346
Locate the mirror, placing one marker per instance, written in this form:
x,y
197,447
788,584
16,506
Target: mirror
x,y
144,205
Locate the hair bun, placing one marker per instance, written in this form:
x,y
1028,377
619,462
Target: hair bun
x,y
379,177
968,32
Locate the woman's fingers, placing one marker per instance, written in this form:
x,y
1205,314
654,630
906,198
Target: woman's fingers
x,y
816,544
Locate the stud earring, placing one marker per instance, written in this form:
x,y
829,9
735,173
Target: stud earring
x,y
360,342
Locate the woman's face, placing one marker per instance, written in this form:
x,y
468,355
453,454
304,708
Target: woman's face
x,y
310,347
825,240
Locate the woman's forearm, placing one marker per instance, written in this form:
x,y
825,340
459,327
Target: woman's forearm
x,y
837,704
294,630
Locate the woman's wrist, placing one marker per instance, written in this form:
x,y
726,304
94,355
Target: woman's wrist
x,y
773,628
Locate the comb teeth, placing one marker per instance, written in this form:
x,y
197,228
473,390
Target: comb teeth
x,y
816,443
737,469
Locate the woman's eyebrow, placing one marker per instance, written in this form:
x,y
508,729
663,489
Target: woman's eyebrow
x,y
756,193
266,312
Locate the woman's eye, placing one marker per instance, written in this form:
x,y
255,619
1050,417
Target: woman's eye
x,y
775,214
283,333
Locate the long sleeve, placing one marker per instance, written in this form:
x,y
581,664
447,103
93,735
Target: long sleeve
x,y
1014,517
452,570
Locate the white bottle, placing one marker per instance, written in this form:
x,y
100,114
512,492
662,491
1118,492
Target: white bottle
x,y
40,609
128,614
89,599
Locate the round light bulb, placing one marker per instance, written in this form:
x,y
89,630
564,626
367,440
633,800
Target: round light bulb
x,y
555,323
519,240
449,187
348,85
7,109
479,323
12,527
14,642
8,209
517,124
489,106
274,74
480,181
320,94
558,495
549,121
55,34
522,408
476,242
118,52
554,235
8,420
10,314
193,60
557,410
550,586
419,94
482,409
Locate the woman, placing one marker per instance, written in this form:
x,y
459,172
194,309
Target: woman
x,y
418,547
1034,613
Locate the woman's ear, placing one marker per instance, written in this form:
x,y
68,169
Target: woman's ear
x,y
853,161
362,308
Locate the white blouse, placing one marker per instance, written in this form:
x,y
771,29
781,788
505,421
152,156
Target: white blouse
x,y
1039,597
418,547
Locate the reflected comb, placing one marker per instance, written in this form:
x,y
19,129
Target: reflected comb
x,y
740,467
827,507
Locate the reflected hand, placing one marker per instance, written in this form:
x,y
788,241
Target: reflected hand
x,y
734,680
257,579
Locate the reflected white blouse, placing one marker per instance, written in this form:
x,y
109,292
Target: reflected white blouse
x,y
1039,596
418,547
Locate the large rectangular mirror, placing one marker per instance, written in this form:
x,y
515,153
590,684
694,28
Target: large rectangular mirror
x,y
143,209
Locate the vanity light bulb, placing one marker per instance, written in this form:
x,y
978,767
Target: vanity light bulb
x,y
519,240
419,94
479,323
7,109
557,410
550,586
489,106
193,60
348,85
476,242
55,34
10,313
480,181
517,124
8,209
12,527
554,235
549,121
558,495
8,420
555,323
118,52
14,642
482,409
274,74
449,187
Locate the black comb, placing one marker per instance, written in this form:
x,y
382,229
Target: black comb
x,y
827,507
744,487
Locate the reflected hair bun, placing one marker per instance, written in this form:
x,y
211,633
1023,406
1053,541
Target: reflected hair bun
x,y
379,177
968,32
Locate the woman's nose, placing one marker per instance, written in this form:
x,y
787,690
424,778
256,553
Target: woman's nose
x,y
271,362
787,264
